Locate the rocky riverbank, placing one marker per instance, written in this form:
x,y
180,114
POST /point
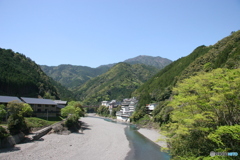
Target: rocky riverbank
x,y
98,140
154,136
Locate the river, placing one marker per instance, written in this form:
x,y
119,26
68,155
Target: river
x,y
141,147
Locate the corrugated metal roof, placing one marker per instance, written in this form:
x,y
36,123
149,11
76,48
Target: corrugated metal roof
x,y
6,99
38,101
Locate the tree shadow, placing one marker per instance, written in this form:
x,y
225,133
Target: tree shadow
x,y
10,149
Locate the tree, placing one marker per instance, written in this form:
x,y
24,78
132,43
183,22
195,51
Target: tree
x,y
103,110
73,108
16,121
206,114
3,112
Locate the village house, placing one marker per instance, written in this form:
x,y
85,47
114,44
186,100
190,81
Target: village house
x,y
6,99
111,104
127,108
60,104
41,107
151,107
105,103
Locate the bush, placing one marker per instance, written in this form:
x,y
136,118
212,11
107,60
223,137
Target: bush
x,y
72,121
3,133
17,124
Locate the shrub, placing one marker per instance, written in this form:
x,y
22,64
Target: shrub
x,y
72,121
17,124
3,133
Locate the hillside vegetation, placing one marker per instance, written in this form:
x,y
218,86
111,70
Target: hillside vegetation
x,y
157,62
20,76
159,86
198,101
118,83
72,76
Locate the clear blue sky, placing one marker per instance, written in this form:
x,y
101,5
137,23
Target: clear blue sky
x,y
96,32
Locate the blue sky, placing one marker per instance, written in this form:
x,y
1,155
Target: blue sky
x,y
96,32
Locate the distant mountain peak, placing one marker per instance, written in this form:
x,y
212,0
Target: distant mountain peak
x,y
157,62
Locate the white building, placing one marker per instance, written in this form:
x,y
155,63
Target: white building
x,y
105,103
151,107
127,108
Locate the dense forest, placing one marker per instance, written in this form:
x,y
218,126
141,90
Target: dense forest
x,y
118,83
20,76
198,101
72,76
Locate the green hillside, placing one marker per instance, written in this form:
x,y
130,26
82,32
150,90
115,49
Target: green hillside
x,y
20,76
118,83
198,101
159,86
224,53
72,76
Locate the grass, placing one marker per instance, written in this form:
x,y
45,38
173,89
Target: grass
x,y
35,122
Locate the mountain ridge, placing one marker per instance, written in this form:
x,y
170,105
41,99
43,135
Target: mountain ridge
x,y
117,83
71,76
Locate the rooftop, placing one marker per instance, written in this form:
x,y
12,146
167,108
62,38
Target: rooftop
x,y
6,99
38,101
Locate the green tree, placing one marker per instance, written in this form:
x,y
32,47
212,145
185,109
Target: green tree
x,y
73,108
114,111
206,109
103,111
16,121
3,112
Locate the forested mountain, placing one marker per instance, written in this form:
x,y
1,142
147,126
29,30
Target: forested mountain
x,y
118,83
159,86
224,53
198,101
72,76
157,62
20,76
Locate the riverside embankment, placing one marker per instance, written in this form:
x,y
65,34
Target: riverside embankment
x,y
99,140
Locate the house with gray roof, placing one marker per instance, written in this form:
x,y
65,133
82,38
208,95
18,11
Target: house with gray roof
x,y
6,99
127,108
42,107
60,104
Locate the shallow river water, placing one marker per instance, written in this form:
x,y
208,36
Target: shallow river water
x,y
141,147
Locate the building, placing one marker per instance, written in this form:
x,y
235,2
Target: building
x,y
6,99
60,104
105,103
42,107
113,104
151,107
127,108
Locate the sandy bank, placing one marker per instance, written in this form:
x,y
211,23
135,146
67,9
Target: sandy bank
x,y
99,140
153,135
